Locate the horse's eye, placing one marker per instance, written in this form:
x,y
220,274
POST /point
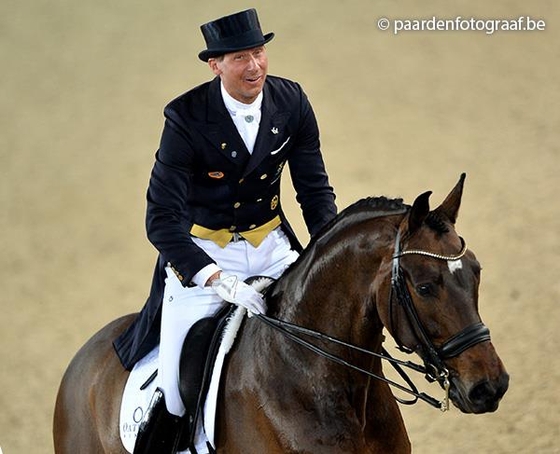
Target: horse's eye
x,y
424,289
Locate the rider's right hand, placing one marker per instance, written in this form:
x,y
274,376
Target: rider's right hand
x,y
235,291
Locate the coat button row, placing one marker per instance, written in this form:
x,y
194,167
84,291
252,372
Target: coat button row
x,y
238,204
233,228
264,176
179,275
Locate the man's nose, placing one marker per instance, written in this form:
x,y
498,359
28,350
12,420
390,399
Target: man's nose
x,y
253,62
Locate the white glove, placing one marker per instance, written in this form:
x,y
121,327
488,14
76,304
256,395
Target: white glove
x,y
232,290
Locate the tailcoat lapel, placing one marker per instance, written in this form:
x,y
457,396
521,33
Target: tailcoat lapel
x,y
272,131
220,129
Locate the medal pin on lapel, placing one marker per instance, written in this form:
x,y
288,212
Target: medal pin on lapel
x,y
274,130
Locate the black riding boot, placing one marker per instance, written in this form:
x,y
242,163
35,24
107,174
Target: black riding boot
x,y
159,431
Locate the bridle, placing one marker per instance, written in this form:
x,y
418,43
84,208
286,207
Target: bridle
x,y
432,356
434,366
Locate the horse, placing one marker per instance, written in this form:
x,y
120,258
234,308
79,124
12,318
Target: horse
x,y
380,264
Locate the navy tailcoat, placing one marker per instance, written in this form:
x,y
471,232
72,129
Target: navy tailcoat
x,y
204,175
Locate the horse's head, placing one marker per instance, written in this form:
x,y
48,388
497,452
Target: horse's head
x,y
432,280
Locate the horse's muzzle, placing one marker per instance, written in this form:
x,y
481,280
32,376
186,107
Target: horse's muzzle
x,y
482,397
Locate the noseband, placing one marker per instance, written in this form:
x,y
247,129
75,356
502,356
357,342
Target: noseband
x,y
433,356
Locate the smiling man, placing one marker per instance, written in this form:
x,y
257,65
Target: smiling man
x,y
214,211
242,73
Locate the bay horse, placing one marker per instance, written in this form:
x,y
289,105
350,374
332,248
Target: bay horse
x,y
379,264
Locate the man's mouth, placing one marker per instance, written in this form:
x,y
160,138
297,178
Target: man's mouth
x,y
254,79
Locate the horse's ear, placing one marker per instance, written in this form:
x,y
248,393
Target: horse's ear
x,y
419,211
450,206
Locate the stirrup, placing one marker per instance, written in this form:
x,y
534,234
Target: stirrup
x,y
159,431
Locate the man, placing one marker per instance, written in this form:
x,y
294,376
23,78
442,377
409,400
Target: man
x,y
214,211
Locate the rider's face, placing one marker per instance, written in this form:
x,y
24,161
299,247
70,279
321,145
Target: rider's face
x,y
243,73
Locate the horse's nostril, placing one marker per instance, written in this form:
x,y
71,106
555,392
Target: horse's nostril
x,y
482,393
486,396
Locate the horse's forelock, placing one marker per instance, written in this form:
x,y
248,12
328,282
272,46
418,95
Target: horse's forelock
x,y
436,222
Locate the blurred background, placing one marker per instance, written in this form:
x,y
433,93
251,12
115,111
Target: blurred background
x,y
83,86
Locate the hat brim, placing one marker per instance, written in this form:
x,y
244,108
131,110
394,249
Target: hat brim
x,y
207,54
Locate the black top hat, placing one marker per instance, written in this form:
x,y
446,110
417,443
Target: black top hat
x,y
238,31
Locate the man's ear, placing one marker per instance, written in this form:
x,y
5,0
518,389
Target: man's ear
x,y
214,66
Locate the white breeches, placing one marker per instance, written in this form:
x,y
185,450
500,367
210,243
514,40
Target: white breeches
x,y
182,307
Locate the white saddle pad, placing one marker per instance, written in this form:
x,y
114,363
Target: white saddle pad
x,y
135,402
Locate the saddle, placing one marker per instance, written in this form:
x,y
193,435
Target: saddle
x,y
198,355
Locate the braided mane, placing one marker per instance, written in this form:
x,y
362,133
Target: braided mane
x,y
381,203
363,209
369,207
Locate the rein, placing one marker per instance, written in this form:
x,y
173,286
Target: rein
x,y
434,367
289,330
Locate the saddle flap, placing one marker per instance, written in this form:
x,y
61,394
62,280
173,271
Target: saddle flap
x,y
198,355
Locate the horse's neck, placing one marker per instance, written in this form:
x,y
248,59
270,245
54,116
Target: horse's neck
x,y
322,296
330,288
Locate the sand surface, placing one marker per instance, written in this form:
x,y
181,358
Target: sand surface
x,y
83,85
